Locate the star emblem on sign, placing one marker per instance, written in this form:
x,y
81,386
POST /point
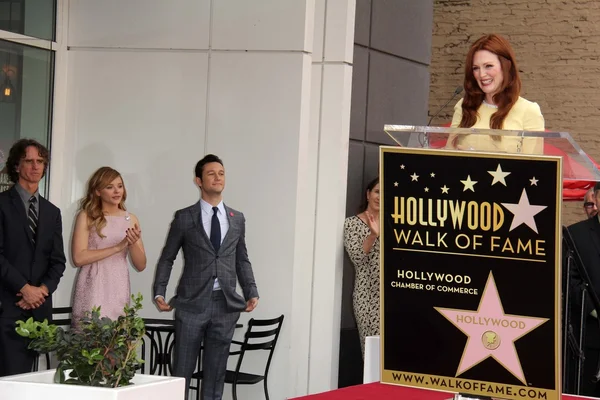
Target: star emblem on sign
x,y
491,332
469,184
523,212
499,175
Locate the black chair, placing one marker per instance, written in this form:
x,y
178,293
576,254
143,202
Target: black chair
x,y
264,339
57,311
160,349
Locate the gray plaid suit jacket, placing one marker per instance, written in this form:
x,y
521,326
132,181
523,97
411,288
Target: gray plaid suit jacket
x,y
202,264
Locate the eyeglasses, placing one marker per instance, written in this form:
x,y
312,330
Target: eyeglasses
x,y
589,204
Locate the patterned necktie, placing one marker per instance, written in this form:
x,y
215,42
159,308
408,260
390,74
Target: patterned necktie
x,y
32,217
215,230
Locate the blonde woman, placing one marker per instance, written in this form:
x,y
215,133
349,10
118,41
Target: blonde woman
x,y
105,233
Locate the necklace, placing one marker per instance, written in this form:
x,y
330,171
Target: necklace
x,y
489,105
116,214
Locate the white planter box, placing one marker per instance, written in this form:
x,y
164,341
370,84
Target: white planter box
x,y
372,369
39,385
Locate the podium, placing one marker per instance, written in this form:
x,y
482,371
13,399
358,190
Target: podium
x,y
471,259
576,164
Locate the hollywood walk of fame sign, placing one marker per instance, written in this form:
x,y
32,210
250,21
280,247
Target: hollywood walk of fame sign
x,y
470,264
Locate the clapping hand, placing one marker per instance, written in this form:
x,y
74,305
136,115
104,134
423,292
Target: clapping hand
x,y
133,234
373,223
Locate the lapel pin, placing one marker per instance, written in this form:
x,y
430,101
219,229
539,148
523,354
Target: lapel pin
x,y
231,214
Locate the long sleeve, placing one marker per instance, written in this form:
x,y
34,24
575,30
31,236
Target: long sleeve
x,y
577,285
457,117
9,275
353,242
56,266
244,267
533,120
167,257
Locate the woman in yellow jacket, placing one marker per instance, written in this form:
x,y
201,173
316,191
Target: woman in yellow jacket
x,y
492,87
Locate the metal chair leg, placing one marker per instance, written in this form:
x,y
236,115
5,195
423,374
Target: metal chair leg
x,y
234,389
198,389
266,388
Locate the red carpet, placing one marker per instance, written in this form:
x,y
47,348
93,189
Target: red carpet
x,y
378,391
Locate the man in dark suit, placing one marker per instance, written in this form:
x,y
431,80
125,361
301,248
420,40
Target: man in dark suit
x,y
589,205
32,258
586,237
207,305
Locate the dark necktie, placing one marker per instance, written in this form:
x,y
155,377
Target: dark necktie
x,y
215,230
32,217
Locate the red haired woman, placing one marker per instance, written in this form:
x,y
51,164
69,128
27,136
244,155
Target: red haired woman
x,y
492,88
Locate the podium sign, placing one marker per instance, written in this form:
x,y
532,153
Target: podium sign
x,y
470,272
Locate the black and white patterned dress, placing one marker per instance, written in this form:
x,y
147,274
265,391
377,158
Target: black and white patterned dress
x,y
365,297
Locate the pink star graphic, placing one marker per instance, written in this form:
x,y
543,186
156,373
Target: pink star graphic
x,y
523,212
491,332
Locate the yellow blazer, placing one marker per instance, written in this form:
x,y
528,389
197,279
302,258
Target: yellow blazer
x,y
525,115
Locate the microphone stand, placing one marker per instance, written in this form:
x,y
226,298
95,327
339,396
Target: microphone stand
x,y
570,341
425,140
574,258
456,93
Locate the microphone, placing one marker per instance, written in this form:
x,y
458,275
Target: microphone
x,y
457,91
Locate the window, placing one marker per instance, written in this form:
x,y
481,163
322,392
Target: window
x,y
26,75
35,18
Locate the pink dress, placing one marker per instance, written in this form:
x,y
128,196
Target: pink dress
x,y
104,283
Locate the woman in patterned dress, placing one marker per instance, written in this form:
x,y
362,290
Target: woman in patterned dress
x,y
105,233
361,240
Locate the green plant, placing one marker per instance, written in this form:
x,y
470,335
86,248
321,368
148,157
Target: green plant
x,y
99,352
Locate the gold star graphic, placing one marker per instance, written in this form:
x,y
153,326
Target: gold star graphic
x,y
432,174
402,166
534,181
395,184
499,176
445,189
469,184
426,189
414,177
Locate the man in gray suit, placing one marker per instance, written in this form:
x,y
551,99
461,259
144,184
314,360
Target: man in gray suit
x,y
207,305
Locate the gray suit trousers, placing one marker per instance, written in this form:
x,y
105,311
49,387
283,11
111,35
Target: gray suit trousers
x,y
213,327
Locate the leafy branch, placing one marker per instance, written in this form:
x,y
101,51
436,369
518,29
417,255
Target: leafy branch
x,y
97,352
